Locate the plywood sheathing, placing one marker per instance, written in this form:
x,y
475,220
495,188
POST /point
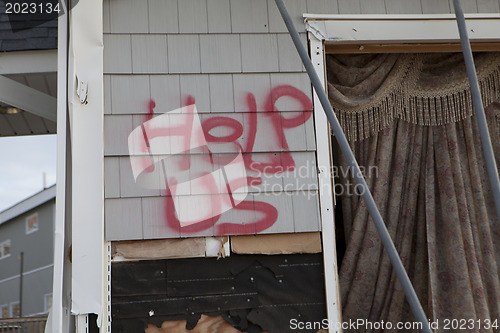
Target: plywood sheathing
x,y
308,242
159,249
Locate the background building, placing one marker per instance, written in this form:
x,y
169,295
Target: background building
x,y
28,66
27,246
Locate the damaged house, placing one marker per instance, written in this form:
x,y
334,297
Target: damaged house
x,y
200,187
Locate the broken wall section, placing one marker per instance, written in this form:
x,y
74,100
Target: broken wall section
x,y
252,293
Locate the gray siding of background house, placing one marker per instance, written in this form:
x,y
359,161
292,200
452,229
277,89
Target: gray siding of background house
x,y
38,251
217,51
33,34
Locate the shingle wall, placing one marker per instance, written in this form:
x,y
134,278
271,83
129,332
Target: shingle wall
x,y
236,61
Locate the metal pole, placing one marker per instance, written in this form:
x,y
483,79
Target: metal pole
x,y
21,257
399,269
489,156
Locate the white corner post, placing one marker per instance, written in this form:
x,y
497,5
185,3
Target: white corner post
x,y
326,195
60,319
85,99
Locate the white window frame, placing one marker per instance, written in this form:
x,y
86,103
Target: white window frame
x,y
2,306
357,33
326,198
45,302
2,245
395,29
11,308
28,231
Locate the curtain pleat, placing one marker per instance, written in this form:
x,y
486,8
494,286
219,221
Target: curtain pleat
x,y
432,189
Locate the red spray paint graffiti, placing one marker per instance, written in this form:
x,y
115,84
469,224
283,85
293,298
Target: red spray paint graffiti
x,y
266,214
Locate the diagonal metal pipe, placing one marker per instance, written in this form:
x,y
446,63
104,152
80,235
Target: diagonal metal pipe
x,y
477,101
385,237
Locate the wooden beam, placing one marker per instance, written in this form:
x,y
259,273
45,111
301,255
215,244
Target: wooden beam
x,y
337,48
27,99
24,62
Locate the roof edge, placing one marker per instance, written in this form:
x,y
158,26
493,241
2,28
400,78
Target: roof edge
x,y
28,204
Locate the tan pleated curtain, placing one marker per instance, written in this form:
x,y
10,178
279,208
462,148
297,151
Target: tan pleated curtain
x,y
411,117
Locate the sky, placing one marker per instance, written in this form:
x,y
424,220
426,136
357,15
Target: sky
x,y
23,160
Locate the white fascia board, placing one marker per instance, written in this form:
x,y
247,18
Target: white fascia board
x,y
27,62
28,99
354,29
28,204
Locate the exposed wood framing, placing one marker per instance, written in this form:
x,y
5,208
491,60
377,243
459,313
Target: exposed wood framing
x,y
408,48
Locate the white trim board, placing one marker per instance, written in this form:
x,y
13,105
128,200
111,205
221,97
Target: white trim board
x,y
397,17
86,113
326,198
355,29
28,99
27,273
60,314
27,62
